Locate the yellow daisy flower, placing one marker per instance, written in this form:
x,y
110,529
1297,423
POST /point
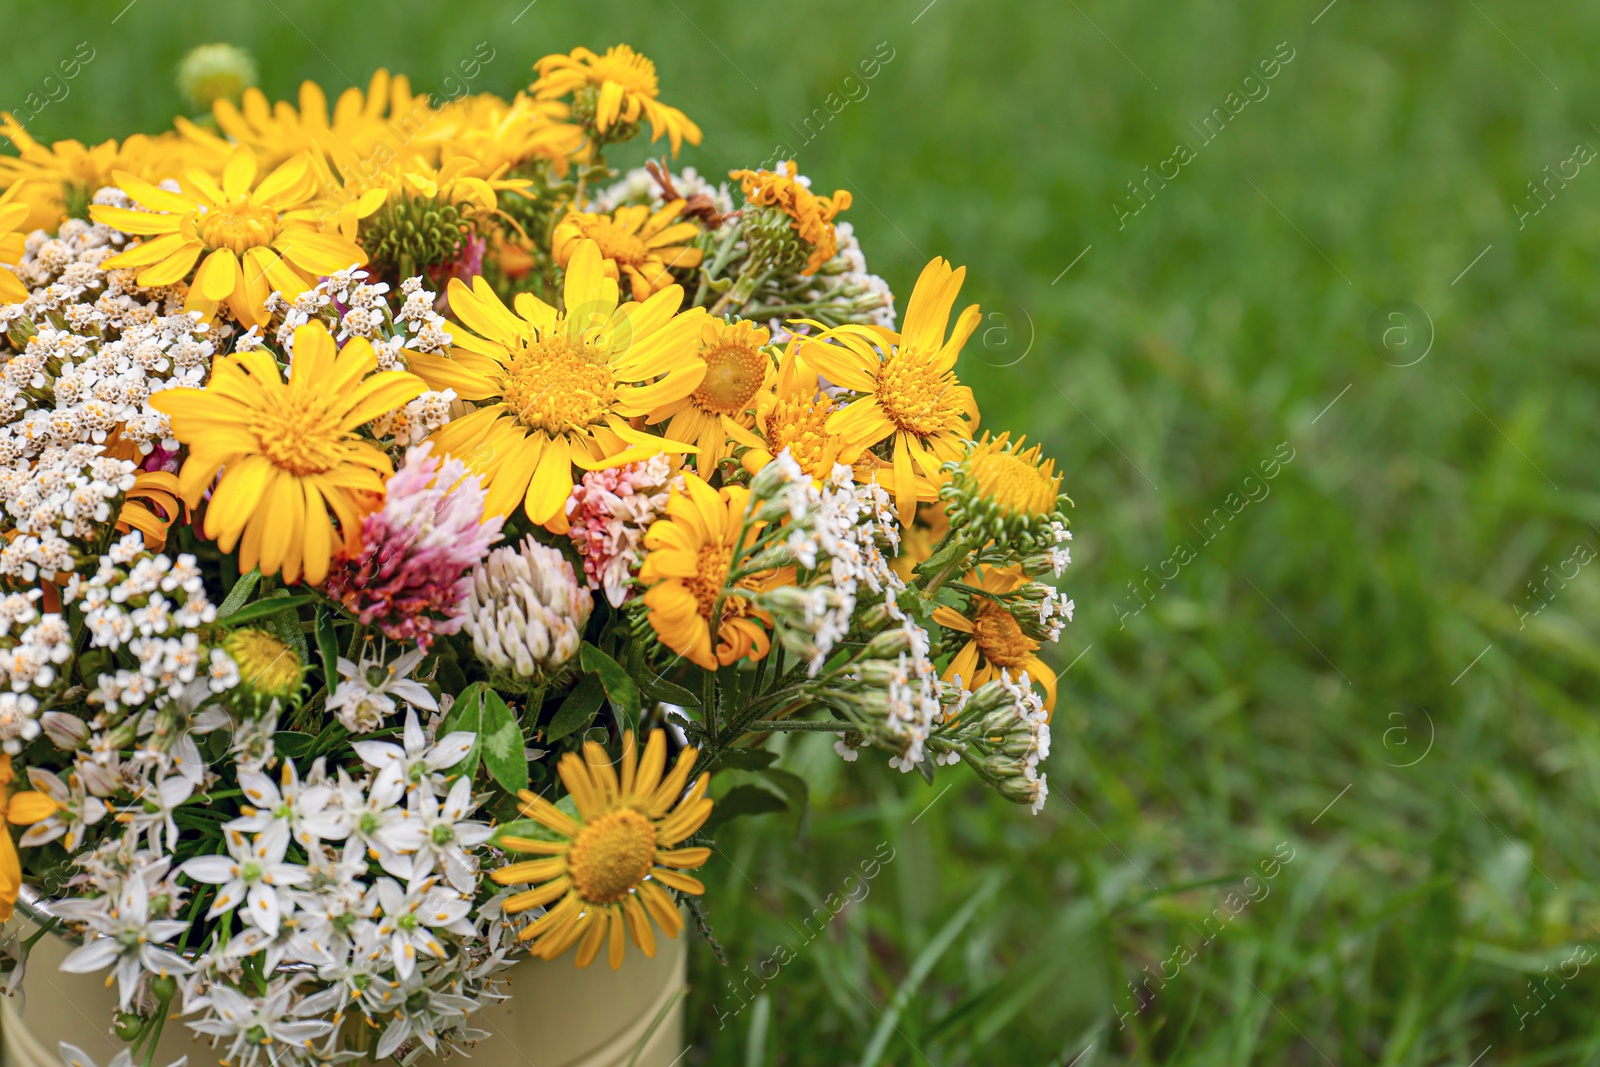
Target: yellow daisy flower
x,y
909,393
240,229
499,136
644,246
737,370
288,451
691,555
608,868
626,91
557,388
388,113
793,412
997,641
812,215
25,809
58,180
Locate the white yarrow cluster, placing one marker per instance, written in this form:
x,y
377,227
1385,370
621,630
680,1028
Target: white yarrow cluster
x,y
836,533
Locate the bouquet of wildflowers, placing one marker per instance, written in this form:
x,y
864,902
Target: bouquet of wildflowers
x,y
402,513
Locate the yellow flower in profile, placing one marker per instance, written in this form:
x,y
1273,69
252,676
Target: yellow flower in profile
x,y
690,561
24,809
645,246
292,462
240,229
909,394
737,370
792,413
997,642
811,215
626,91
1004,492
557,388
607,867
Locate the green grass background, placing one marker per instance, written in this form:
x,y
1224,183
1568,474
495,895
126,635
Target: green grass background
x,y
1439,912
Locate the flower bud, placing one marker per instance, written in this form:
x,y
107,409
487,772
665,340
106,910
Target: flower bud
x,y
66,731
774,478
215,71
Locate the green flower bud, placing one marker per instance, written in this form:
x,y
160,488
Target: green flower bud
x,y
213,72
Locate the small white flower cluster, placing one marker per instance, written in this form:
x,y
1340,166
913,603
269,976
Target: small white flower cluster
x,y
94,348
394,937
1013,737
28,659
349,306
154,607
61,494
1056,554
1055,611
836,532
527,610
429,331
412,424
61,271
902,698
366,694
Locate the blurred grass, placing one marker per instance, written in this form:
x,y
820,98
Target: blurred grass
x,y
1342,671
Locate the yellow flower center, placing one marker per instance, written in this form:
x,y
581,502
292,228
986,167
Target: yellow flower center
x,y
612,855
801,426
1015,483
999,638
711,572
616,243
915,396
238,226
554,386
734,374
301,437
267,664
635,73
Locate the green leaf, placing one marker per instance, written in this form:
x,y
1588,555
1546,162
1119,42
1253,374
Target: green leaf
x,y
665,692
467,714
328,648
238,594
264,608
796,792
503,744
578,710
620,688
291,744
743,800
746,759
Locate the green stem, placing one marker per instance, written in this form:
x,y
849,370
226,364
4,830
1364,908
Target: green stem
x,y
791,726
